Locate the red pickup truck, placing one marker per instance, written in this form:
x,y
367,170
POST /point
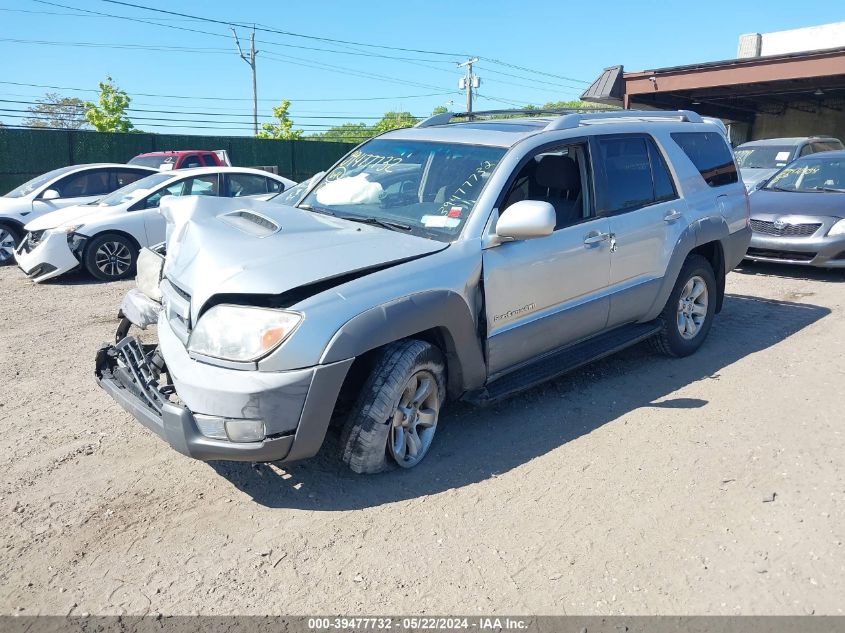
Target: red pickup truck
x,y
182,159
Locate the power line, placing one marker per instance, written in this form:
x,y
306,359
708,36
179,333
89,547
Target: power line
x,y
182,112
163,96
280,32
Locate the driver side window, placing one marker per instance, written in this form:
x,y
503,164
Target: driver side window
x,y
559,176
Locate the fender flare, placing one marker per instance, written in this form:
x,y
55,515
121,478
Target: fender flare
x,y
443,311
709,229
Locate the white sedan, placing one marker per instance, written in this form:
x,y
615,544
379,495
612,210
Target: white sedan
x,y
104,237
59,188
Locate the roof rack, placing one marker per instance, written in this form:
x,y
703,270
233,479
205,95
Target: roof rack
x,y
446,117
566,119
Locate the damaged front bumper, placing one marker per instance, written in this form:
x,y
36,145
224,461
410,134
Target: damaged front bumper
x,y
43,255
168,391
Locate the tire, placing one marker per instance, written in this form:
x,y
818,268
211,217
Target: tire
x,y
387,426
110,257
686,319
10,239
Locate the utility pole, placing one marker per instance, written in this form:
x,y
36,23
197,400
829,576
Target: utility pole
x,y
250,59
469,81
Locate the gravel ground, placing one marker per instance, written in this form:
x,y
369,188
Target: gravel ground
x,y
639,485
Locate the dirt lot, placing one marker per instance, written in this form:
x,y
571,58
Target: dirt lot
x,y
640,485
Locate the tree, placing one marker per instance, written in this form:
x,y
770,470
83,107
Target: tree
x,y
394,121
56,111
346,133
283,129
109,114
439,110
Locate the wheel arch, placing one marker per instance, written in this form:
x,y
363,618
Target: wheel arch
x,y
17,225
441,318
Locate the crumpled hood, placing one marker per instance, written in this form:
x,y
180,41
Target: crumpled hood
x,y
784,203
208,255
76,214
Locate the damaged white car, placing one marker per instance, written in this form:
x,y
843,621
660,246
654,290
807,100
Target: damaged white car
x,y
104,237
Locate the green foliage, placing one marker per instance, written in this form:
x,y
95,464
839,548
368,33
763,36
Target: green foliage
x,y
56,111
346,133
109,113
439,110
358,132
283,128
394,121
570,105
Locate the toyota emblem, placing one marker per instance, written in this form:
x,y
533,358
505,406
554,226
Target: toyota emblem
x,y
779,224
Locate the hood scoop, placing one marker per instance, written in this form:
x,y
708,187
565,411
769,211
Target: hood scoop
x,y
251,223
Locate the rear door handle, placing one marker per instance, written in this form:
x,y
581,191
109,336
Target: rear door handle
x,y
596,238
673,215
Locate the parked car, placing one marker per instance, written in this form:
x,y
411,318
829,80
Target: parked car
x,y
758,160
451,260
798,217
182,159
104,237
59,188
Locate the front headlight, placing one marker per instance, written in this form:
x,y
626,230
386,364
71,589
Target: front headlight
x,y
837,229
241,333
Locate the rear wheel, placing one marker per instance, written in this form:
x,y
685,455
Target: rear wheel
x,y
9,239
688,314
111,257
395,418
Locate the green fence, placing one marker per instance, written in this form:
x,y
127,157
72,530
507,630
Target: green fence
x,y
25,154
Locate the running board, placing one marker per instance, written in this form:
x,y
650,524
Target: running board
x,y
563,361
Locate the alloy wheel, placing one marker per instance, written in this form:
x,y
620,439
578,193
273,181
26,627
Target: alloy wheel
x,y
415,420
7,246
692,307
113,258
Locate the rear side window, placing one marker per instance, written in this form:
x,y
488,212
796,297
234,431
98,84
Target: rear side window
x,y
709,152
635,174
191,161
209,160
246,185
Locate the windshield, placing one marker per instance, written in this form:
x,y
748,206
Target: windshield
x,y
420,187
31,185
813,173
155,161
292,195
126,193
763,156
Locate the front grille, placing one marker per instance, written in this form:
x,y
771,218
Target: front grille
x,y
787,230
176,304
791,256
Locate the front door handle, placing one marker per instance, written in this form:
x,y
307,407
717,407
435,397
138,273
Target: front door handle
x,y
673,215
596,238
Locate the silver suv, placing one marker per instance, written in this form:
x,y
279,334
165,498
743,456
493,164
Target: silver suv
x,y
467,260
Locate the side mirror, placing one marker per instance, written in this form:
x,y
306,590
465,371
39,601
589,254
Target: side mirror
x,y
526,219
50,194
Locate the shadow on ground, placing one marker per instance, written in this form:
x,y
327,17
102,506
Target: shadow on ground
x,y
791,271
475,444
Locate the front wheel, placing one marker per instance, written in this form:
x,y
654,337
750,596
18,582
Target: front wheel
x,y
111,257
688,314
395,418
9,240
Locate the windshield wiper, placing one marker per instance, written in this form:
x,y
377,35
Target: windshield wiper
x,y
782,189
829,189
385,224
